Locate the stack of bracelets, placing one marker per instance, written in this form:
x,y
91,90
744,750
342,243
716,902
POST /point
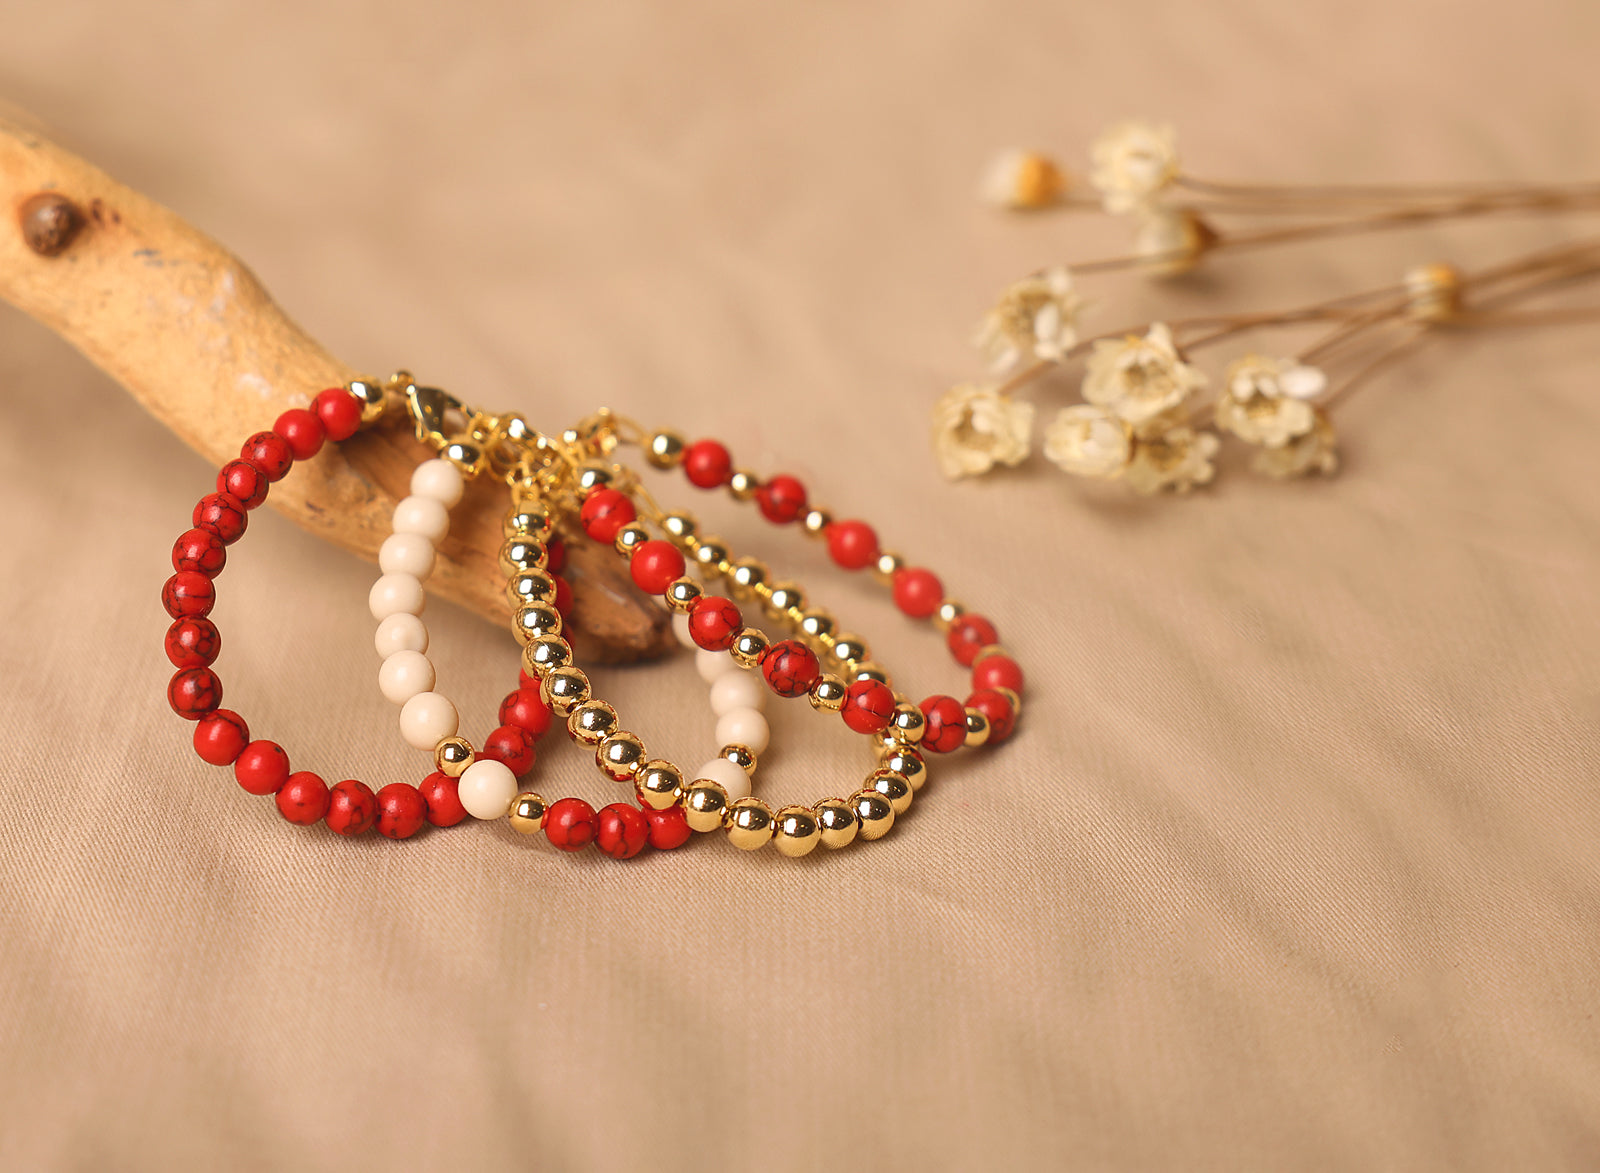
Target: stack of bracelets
x,y
571,480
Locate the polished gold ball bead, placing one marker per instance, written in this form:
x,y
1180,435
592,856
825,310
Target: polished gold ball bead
x,y
906,723
464,454
782,598
530,586
744,576
743,485
704,802
664,449
373,398
947,613
659,783
795,831
564,690
816,522
848,649
748,647
906,762
874,812
453,755
892,786
679,526
535,621
544,656
593,476
683,594
630,537
977,729
527,813
749,822
711,555
740,755
886,566
836,823
522,552
531,522
592,722
816,624
620,756
827,694
870,672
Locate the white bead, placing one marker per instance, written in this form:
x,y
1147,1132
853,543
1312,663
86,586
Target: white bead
x,y
680,628
406,554
400,633
396,594
745,727
426,718
734,780
487,788
439,479
422,515
737,690
405,674
712,666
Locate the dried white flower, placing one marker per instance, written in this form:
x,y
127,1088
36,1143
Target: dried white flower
x,y
1171,240
1263,400
1089,442
1178,459
1038,317
1022,180
1139,378
1316,451
976,428
1133,163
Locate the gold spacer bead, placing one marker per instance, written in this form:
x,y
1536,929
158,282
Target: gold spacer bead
x,y
680,527
816,522
743,485
533,522
530,586
535,621
1013,699
782,598
620,756
795,831
977,729
527,813
659,783
874,812
744,576
740,755
630,537
907,723
564,690
591,722
453,755
849,649
947,613
522,552
703,804
870,672
373,398
836,823
683,594
887,566
906,762
750,823
544,656
664,449
827,694
748,647
816,624
711,554
593,476
892,786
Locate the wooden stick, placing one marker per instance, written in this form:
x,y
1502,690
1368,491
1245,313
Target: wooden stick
x,y
190,332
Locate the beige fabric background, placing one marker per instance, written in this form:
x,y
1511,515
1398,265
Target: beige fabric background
x,y
1293,864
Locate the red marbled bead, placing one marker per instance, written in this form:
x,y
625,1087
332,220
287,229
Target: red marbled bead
x,y
221,514
656,565
340,413
994,705
621,831
243,481
352,808
526,711
262,767
401,811
188,595
781,500
790,668
669,829
194,692
269,452
569,824
852,544
868,705
442,793
946,724
968,636
996,671
707,464
511,746
193,643
917,592
563,602
524,682
714,623
555,551
302,431
220,737
604,512
303,799
200,551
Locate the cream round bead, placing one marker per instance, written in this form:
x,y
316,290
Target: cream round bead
x,y
487,788
410,554
713,666
396,594
680,628
440,480
747,727
403,675
727,775
427,718
422,515
737,690
400,632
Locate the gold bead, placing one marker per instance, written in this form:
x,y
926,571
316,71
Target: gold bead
x,y
453,755
522,552
533,522
887,566
783,598
977,728
1013,699
827,694
535,621
745,576
816,522
372,397
740,755
659,783
816,624
906,723
848,648
712,555
948,612
664,449
870,672
748,647
593,476
630,537
530,586
564,689
679,526
703,804
795,831
743,485
683,594
464,455
874,812
836,823
544,656
591,722
527,813
620,756
892,786
749,822
906,762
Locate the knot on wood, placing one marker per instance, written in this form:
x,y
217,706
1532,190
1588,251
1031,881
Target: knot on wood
x,y
50,221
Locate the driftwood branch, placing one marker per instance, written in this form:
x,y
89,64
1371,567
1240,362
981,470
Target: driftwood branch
x,y
190,332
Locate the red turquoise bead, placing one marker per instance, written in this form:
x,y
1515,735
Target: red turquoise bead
x,y
868,706
669,829
352,808
188,595
917,592
339,411
221,514
194,692
511,746
714,623
401,810
852,544
563,601
946,724
262,767
302,431
569,824
621,831
525,681
707,464
790,668
220,737
994,705
200,551
525,710
269,452
442,793
244,482
997,672
303,799
656,565
193,643
781,500
968,636
555,551
604,512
